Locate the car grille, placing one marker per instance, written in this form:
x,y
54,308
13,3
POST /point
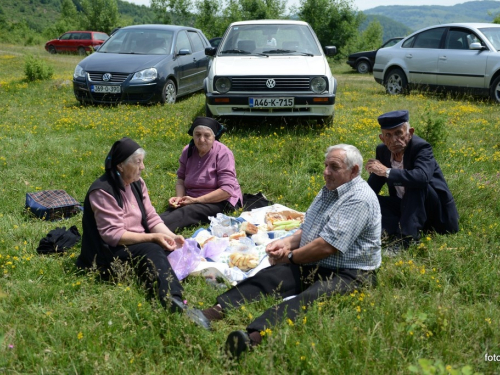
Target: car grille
x,y
115,77
259,84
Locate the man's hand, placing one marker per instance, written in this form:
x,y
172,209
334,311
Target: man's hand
x,y
374,166
277,252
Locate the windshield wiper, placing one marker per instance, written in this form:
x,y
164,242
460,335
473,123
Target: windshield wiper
x,y
288,51
236,51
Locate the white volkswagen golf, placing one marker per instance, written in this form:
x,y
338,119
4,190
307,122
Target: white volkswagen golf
x,y
270,68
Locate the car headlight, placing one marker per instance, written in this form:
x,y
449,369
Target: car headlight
x,y
318,84
146,75
79,72
223,85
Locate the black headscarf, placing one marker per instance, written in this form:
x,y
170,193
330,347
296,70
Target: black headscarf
x,y
120,151
209,122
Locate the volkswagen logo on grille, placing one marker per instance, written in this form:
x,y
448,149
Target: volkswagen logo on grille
x,y
106,76
270,83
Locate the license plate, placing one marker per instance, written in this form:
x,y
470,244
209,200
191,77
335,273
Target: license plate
x,y
106,89
270,102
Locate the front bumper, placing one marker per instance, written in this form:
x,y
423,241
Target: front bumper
x,y
304,105
136,93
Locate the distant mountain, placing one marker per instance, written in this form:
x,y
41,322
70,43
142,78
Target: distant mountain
x,y
417,17
391,28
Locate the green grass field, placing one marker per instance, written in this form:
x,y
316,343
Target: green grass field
x,y
435,311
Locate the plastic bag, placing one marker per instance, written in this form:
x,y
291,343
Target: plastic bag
x,y
223,226
214,248
185,259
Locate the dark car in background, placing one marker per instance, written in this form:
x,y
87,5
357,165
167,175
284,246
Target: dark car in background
x,y
363,61
79,42
144,64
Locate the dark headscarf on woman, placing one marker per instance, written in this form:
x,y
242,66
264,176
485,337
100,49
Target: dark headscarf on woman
x,y
120,151
209,122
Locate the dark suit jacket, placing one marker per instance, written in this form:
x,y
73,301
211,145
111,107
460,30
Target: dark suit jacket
x,y
421,171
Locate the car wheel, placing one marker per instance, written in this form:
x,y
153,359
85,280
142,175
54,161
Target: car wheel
x,y
208,112
81,51
52,50
495,90
169,94
363,67
396,82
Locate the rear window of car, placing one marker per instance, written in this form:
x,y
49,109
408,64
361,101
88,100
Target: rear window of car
x,y
100,36
85,36
429,38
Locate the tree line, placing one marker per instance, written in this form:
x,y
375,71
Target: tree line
x,y
335,22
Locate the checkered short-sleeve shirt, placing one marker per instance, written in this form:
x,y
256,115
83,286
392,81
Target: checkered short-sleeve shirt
x,y
349,219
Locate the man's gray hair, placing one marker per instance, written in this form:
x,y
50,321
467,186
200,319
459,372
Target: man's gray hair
x,y
139,151
352,155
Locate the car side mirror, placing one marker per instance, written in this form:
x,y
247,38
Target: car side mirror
x,y
476,46
184,51
96,48
210,51
330,50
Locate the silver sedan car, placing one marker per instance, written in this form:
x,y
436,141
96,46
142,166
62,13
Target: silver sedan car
x,y
456,56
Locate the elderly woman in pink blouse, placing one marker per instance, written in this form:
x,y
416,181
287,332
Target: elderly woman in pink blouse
x,y
120,224
206,183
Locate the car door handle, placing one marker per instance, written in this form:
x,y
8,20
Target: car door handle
x,y
409,56
443,58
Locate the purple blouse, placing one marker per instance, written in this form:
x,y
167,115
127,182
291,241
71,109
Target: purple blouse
x,y
214,170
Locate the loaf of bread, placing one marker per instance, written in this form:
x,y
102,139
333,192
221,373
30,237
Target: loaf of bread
x,y
248,228
236,236
244,262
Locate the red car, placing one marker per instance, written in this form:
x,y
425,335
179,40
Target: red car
x,y
76,41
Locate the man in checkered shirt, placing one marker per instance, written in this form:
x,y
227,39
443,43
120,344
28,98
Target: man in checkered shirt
x,y
336,250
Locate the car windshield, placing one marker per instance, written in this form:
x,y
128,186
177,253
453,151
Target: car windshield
x,y
493,35
139,41
269,39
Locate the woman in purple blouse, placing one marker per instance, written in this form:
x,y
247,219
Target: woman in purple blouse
x,y
206,183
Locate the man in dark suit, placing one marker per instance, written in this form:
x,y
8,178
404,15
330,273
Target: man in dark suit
x,y
419,198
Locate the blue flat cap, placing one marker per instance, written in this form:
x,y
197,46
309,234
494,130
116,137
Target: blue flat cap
x,y
393,119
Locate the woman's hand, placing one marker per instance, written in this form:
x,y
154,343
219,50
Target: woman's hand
x,y
168,242
185,200
175,202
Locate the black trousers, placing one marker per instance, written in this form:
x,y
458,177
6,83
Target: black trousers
x,y
153,268
307,283
193,214
419,210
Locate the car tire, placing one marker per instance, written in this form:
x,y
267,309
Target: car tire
x,y
208,112
169,94
363,67
52,50
396,83
495,90
81,51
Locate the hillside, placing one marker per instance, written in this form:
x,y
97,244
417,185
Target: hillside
x,y
39,14
391,28
417,17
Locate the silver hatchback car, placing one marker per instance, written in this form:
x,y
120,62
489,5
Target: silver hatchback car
x,y
456,56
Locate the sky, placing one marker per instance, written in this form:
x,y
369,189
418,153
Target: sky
x,y
362,4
